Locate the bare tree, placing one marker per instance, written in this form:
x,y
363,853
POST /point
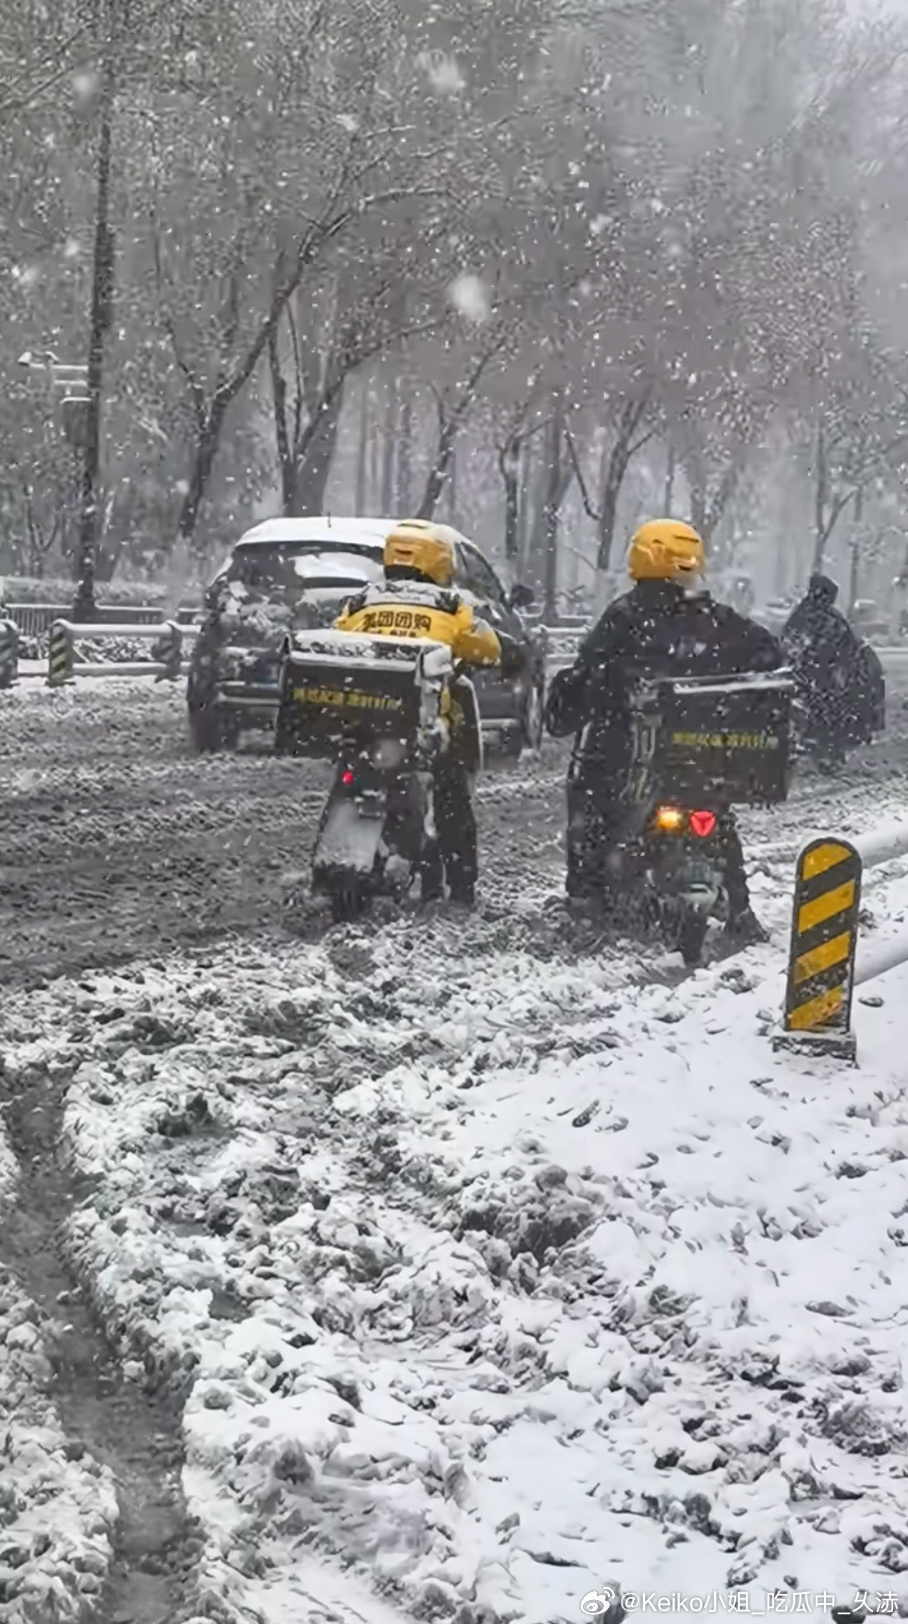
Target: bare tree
x,y
322,356
226,281
453,408
630,437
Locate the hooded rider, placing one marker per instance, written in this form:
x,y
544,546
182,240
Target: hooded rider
x,y
667,625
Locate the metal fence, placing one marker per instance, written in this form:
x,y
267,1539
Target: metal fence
x,y
36,619
64,664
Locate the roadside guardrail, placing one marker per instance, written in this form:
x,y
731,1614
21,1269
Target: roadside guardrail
x,y
561,645
64,663
36,619
823,963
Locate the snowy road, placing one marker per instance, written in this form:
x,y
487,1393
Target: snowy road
x,y
120,844
451,1273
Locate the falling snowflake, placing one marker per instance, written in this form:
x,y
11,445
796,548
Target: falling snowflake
x,y
85,86
442,72
470,296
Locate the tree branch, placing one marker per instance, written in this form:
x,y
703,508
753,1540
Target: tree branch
x,y
584,493
196,392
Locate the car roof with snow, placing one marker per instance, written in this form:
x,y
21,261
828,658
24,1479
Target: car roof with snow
x,y
329,531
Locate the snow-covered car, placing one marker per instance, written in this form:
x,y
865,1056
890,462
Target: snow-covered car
x,y
282,574
295,574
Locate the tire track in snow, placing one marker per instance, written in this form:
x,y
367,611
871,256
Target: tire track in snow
x,y
134,1436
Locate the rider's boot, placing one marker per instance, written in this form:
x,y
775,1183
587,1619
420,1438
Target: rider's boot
x,y
744,927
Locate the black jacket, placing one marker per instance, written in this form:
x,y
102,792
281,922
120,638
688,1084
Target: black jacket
x,y
657,629
820,641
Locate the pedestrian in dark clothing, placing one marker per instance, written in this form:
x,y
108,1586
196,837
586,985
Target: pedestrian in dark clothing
x,y
824,654
657,629
865,692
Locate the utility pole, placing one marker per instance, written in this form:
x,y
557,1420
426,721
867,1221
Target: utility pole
x,y
854,583
84,607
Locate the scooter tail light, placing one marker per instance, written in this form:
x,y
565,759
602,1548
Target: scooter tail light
x,y
702,823
347,779
669,817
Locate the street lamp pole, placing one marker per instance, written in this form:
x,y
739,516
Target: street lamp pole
x,y
84,608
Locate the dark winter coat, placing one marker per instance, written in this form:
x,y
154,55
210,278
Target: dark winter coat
x,y
820,641
866,696
657,629
826,656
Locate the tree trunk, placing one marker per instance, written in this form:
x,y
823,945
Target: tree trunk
x,y
84,605
669,496
362,451
438,473
375,459
452,487
721,497
616,467
614,478
388,449
450,423
556,472
554,495
204,453
854,581
405,457
316,454
285,459
821,492
698,506
525,501
509,465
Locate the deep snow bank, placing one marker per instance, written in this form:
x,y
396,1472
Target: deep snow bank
x,y
498,1285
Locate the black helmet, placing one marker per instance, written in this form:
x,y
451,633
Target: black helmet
x,y
823,589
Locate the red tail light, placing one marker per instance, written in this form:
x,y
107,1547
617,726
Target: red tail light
x,y
347,779
702,823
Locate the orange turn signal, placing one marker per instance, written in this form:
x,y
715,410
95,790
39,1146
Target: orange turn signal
x,y
669,817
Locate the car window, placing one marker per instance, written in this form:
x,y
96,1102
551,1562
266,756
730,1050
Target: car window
x,y
282,569
479,576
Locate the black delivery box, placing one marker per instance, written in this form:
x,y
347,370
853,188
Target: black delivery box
x,y
372,685
713,739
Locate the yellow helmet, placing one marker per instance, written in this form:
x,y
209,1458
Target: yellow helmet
x,y
665,550
416,544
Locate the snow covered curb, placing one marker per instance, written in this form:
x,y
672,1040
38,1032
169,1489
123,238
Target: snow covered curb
x,y
500,1286
57,1505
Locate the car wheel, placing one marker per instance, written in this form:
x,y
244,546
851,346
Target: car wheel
x,y
285,739
532,720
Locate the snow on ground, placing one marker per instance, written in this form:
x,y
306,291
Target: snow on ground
x,y
493,1282
57,1504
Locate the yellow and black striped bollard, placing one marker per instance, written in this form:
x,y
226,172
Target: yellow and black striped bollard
x,y
59,655
824,934
9,653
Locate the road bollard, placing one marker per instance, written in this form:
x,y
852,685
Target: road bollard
x,y
60,655
824,934
172,653
9,653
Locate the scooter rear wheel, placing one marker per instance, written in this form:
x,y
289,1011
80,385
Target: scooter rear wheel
x,y
692,935
348,902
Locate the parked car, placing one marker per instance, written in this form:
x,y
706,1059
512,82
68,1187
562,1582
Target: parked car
x,y
512,708
295,574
